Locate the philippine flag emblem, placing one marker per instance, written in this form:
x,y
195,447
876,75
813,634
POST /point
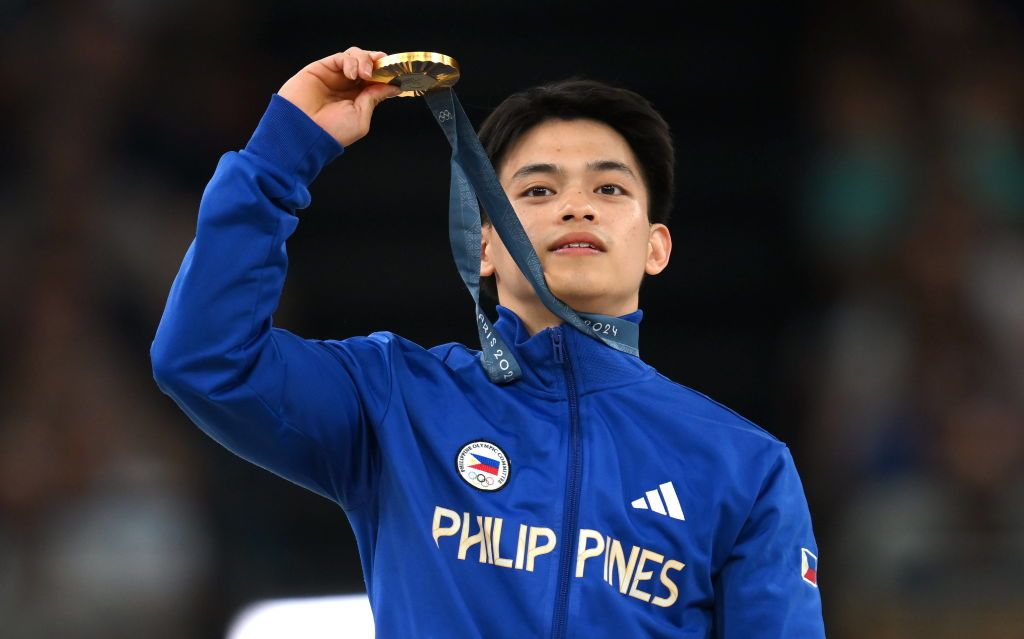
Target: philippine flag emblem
x,y
809,567
483,465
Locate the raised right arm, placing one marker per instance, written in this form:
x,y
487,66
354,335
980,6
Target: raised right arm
x,y
304,409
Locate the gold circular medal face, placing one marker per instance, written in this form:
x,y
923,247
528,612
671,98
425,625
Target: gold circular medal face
x,y
416,72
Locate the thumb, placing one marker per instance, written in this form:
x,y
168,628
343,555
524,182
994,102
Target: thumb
x,y
373,95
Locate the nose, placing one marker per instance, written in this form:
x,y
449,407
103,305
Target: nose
x,y
578,206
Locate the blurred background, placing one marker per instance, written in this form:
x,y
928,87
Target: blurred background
x,y
848,272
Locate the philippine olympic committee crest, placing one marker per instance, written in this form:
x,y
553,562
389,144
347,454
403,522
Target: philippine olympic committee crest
x,y
483,465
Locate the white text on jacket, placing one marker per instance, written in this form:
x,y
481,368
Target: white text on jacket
x,y
627,573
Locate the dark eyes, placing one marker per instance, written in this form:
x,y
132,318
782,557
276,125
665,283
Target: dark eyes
x,y
541,191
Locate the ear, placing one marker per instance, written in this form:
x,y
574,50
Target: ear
x,y
659,247
486,235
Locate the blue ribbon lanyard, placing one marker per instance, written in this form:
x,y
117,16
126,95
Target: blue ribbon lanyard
x,y
473,177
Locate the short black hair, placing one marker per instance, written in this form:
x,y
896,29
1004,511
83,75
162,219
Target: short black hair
x,y
631,115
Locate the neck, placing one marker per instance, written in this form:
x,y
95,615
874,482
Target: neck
x,y
536,317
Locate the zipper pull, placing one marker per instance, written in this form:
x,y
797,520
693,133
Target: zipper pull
x,y
556,339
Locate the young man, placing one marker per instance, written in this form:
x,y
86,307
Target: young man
x,y
592,497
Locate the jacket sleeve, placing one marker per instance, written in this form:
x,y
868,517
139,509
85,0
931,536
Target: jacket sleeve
x,y
761,590
303,409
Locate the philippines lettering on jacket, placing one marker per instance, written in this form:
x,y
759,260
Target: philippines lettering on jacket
x,y
631,572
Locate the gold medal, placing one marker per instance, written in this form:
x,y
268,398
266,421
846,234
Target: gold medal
x,y
416,72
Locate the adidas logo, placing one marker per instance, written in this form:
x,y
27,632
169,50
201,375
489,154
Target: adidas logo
x,y
660,499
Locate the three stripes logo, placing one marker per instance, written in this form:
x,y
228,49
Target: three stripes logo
x,y
662,500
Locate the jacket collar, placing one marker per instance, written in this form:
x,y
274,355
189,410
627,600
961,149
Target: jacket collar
x,y
594,364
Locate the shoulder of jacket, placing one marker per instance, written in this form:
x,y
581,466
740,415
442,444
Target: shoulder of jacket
x,y
456,355
451,355
697,405
386,344
392,349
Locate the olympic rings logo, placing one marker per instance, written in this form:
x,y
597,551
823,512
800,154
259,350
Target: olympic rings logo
x,y
445,115
481,478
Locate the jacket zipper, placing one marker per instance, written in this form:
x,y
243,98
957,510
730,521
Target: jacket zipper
x,y
572,492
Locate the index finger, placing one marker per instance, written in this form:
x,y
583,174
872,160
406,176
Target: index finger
x,y
362,60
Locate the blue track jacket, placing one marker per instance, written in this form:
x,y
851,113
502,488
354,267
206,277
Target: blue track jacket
x,y
592,498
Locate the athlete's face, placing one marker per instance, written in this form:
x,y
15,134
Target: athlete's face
x,y
564,179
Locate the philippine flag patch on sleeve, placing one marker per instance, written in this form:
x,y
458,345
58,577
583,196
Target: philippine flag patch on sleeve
x,y
809,567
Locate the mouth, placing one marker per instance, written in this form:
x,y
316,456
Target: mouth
x,y
577,244
577,249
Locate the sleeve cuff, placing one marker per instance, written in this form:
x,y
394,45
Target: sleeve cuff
x,y
292,141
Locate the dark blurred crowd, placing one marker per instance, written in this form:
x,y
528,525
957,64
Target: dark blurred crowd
x,y
119,519
101,532
111,519
914,371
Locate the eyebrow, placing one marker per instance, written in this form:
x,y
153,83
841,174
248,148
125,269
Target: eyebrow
x,y
554,169
611,165
534,169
